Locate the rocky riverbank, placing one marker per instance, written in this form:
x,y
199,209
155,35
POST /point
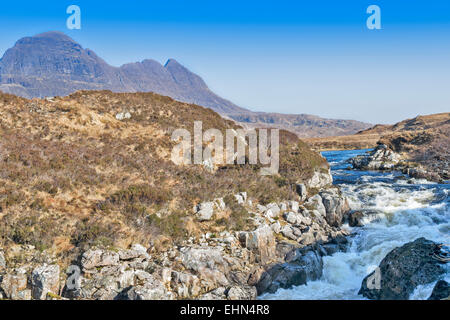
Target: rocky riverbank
x,y
284,248
384,158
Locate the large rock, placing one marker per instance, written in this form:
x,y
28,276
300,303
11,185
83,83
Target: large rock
x,y
92,259
301,191
403,269
320,179
302,265
15,285
440,291
204,211
151,290
45,279
261,242
336,206
381,158
208,263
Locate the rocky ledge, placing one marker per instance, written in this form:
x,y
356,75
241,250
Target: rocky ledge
x,y
405,268
284,248
384,159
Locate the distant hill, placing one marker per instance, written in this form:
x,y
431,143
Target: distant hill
x,y
389,134
53,64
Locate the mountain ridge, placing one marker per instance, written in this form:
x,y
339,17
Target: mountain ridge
x,y
53,64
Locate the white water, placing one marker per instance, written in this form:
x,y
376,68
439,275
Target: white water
x,y
405,212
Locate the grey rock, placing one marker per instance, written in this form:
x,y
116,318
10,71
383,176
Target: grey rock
x,y
95,258
403,269
242,293
441,291
204,211
261,242
45,279
14,285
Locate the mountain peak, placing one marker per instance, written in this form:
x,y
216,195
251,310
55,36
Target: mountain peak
x,y
51,36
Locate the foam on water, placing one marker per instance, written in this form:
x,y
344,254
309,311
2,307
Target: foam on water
x,y
403,213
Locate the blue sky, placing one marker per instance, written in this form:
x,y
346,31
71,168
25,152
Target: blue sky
x,y
284,56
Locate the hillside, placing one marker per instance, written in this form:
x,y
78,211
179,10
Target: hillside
x,y
53,64
369,138
73,175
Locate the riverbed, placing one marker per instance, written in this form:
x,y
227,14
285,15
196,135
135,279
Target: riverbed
x,y
400,210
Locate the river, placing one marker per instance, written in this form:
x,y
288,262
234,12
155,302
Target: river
x,y
404,210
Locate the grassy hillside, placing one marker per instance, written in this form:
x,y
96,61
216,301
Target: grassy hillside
x,y
72,175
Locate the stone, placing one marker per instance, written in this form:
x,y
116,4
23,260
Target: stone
x,y
336,206
381,158
294,206
204,211
290,217
95,258
301,191
136,251
216,294
44,280
320,179
151,290
283,206
301,266
288,232
403,269
261,242
242,293
276,227
273,210
185,285
441,291
14,285
241,197
208,263
316,203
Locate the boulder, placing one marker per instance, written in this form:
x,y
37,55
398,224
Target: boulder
x,y
151,290
273,210
241,293
315,203
204,211
14,285
302,265
440,291
403,269
320,179
336,206
136,251
45,279
381,158
261,242
185,285
96,258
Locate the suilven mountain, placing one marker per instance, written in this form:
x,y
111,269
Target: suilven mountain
x,y
53,64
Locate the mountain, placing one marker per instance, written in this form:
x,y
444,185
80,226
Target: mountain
x,y
53,64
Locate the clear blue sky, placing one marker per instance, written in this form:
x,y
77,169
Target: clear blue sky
x,y
284,56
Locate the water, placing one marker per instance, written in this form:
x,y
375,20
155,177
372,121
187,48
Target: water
x,y
404,210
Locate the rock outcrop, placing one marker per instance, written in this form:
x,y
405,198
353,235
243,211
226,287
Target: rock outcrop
x,y
403,269
440,291
381,158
